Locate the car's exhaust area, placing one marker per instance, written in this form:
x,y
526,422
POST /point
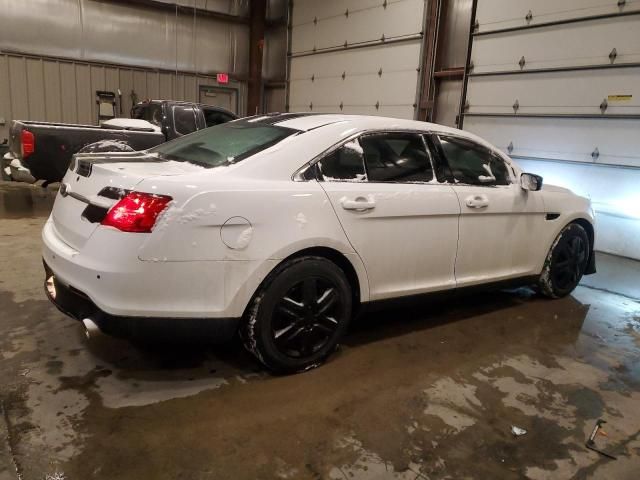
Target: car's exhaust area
x,y
91,329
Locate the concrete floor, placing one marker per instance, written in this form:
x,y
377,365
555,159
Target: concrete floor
x,y
430,392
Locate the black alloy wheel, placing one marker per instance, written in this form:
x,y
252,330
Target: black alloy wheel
x,y
569,263
306,318
298,315
566,262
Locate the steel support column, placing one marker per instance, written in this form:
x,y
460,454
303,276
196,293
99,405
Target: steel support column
x,y
258,12
429,50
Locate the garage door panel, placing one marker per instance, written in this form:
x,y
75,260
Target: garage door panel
x,y
569,45
379,78
333,91
558,92
500,14
391,58
385,75
304,38
398,19
577,101
306,11
364,25
574,140
392,111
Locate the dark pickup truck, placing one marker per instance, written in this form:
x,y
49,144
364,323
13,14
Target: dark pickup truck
x,y
43,151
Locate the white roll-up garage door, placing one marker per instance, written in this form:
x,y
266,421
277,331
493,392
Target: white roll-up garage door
x,y
556,84
357,56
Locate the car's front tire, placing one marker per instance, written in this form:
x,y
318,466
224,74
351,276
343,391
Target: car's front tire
x,y
298,316
566,262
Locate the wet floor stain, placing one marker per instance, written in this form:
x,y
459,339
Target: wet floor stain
x,y
23,201
429,391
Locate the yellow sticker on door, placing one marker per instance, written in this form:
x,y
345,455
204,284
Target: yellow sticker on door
x,y
620,98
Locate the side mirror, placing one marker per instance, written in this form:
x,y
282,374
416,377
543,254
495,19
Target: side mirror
x,y
531,182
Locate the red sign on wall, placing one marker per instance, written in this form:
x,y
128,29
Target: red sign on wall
x,y
222,77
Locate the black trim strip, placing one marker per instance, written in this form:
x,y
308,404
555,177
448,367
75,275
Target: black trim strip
x,y
576,162
576,68
594,116
352,46
556,22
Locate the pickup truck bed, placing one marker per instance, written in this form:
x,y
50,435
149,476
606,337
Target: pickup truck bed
x,y
43,151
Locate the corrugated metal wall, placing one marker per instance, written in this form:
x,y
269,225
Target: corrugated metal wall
x,y
64,91
124,34
555,83
85,45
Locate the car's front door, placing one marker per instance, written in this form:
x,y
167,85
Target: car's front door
x,y
398,218
500,223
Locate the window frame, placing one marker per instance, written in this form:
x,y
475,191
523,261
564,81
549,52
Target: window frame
x,y
424,145
300,174
318,174
439,151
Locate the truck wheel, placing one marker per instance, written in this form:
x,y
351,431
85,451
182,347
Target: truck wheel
x,y
298,316
566,262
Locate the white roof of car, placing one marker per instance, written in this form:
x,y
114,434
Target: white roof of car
x,y
357,123
311,121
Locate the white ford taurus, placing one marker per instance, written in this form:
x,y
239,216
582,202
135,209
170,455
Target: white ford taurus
x,y
282,226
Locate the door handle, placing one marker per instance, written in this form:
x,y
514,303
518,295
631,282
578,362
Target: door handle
x,y
477,201
360,204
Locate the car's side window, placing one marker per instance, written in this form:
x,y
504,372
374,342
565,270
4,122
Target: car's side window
x,y
473,164
345,164
184,120
396,157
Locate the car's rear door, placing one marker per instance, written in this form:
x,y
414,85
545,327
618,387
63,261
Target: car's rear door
x,y
398,218
499,221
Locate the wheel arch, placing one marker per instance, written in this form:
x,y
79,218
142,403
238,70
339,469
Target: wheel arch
x,y
359,285
339,259
588,226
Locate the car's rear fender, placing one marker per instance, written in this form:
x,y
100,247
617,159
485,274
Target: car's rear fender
x,y
240,221
251,226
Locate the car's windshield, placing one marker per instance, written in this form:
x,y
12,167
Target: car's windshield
x,y
222,144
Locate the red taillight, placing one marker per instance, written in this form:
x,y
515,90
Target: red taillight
x,y
137,212
28,142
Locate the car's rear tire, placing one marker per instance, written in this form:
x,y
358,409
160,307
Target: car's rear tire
x,y
566,262
299,315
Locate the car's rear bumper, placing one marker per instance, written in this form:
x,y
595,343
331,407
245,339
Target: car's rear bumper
x,y
76,304
107,269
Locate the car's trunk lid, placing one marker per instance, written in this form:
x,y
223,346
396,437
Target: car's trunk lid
x,y
94,183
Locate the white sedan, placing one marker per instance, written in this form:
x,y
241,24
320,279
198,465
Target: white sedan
x,y
282,226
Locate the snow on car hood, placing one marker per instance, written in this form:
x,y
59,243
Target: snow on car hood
x,y
149,169
130,124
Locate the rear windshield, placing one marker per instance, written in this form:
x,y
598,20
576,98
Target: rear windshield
x,y
222,144
151,112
